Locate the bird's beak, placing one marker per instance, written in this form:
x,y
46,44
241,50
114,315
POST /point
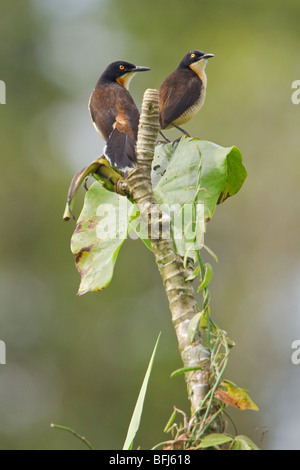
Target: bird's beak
x,y
140,69
208,56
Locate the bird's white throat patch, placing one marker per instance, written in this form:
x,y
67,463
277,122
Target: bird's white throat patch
x,y
125,79
199,69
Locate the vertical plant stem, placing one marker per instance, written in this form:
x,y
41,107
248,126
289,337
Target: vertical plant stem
x,y
179,290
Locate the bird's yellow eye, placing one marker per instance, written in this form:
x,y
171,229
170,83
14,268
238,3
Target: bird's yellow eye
x,y
121,67
193,55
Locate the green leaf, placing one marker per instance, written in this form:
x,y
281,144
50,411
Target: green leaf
x,y
194,274
137,413
189,180
184,370
243,443
138,227
194,327
214,440
236,175
207,277
212,254
100,231
170,421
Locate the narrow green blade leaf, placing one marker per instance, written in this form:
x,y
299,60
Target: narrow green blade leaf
x,y
207,277
212,254
171,421
184,370
137,413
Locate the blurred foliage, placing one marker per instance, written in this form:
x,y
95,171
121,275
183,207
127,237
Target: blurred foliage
x,y
80,361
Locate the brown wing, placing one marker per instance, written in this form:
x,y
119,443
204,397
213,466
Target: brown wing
x,y
110,106
102,115
178,92
116,118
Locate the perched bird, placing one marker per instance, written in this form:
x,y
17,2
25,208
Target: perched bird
x,y
115,115
182,93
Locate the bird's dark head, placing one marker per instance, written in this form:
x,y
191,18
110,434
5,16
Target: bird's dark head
x,y
195,60
122,72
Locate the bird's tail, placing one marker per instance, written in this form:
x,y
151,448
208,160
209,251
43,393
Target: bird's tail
x,y
120,150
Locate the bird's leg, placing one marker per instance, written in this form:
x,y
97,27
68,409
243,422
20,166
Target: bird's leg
x,y
165,139
181,130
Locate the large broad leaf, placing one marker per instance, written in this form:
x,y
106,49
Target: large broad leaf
x,y
197,169
100,231
191,179
188,180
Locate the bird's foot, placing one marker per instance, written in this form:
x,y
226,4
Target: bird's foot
x,y
176,141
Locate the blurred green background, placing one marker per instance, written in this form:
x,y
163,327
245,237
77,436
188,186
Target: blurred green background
x,y
80,361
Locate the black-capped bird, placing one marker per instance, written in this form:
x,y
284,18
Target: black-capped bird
x,y
115,115
182,93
